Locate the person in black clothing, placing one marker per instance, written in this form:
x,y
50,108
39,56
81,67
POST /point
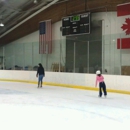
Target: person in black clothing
x,y
40,74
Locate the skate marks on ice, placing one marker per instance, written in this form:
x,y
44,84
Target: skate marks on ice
x,y
10,91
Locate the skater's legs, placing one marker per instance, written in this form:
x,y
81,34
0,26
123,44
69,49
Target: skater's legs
x,y
41,83
104,89
100,90
40,79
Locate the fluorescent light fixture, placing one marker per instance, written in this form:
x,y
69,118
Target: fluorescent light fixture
x,y
1,24
35,1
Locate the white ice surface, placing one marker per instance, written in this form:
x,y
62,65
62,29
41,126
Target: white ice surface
x,y
23,106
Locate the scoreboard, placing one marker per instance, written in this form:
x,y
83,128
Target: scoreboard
x,y
77,24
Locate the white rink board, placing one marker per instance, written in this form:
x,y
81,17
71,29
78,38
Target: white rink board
x,y
115,82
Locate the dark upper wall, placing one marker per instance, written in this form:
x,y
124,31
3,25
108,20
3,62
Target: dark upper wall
x,y
56,12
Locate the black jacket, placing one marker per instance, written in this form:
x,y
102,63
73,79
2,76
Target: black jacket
x,y
40,71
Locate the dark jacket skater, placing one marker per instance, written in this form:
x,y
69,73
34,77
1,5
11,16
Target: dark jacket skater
x,y
40,74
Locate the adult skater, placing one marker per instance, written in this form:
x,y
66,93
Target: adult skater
x,y
40,74
102,85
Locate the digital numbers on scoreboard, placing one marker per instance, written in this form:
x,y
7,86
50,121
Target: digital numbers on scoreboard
x,y
77,24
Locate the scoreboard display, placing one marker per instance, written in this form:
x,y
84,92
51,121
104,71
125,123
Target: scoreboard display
x,y
77,24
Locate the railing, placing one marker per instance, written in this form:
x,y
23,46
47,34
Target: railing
x,y
76,54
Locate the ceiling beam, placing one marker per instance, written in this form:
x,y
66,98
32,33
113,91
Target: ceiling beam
x,y
56,12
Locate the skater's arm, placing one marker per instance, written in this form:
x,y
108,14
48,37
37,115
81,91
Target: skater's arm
x,y
96,82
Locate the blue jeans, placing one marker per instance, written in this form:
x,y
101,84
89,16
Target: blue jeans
x,y
102,86
40,78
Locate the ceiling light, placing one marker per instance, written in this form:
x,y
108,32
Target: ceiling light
x,y
1,24
35,2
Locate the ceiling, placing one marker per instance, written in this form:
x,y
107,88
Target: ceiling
x,y
13,11
20,16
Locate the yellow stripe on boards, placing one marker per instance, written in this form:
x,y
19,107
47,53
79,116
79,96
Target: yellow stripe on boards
x,y
69,86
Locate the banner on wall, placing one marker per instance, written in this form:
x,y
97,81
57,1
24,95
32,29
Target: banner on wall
x,y
45,37
123,21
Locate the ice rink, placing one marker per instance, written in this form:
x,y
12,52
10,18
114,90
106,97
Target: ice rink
x,y
23,106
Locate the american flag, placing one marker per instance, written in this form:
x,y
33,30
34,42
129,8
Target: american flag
x,y
45,37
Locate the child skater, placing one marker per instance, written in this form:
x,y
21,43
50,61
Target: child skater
x,y
102,85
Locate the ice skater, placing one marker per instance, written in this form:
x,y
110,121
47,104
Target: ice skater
x,y
102,85
40,74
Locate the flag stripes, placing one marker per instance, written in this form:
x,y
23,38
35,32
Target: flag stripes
x,y
123,15
45,37
123,9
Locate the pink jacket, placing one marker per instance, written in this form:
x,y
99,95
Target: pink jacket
x,y
99,79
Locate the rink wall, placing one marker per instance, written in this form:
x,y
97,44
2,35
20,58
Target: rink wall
x,y
114,83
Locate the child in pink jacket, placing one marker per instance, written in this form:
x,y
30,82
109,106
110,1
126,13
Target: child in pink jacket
x,y
102,85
